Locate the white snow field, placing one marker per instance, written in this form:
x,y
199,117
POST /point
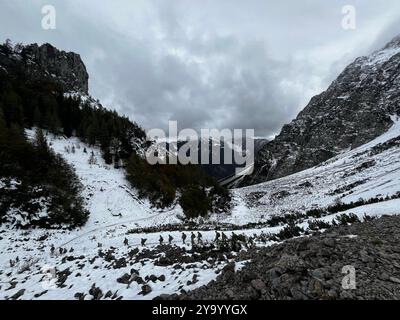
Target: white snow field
x,y
27,261
114,209
350,176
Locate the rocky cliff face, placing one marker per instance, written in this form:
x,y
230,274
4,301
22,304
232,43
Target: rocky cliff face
x,y
46,61
355,109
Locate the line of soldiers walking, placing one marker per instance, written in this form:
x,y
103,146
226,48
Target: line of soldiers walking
x,y
171,238
220,239
184,237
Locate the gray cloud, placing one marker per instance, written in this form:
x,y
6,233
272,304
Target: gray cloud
x,y
208,64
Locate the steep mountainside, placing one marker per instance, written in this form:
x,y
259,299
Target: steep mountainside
x,y
42,87
355,109
128,249
105,259
47,62
368,174
37,186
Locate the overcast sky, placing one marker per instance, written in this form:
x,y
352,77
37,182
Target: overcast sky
x,y
207,63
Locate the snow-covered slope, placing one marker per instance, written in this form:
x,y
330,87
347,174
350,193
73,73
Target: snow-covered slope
x,y
354,110
115,209
109,197
369,171
106,254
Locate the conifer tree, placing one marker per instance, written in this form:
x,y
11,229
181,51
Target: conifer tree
x,y
37,117
7,47
12,108
44,154
3,131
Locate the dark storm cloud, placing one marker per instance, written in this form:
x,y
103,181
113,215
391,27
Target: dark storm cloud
x,y
208,64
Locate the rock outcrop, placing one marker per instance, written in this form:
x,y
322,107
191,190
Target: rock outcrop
x,y
47,62
355,109
317,268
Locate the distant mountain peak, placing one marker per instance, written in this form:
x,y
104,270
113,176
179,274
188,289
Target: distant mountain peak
x,y
394,43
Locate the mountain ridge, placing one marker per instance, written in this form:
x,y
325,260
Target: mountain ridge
x,y
130,249
355,109
46,62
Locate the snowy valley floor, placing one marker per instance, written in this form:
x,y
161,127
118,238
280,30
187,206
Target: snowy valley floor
x,y
105,259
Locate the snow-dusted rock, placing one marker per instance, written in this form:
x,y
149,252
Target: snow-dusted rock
x,y
355,109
